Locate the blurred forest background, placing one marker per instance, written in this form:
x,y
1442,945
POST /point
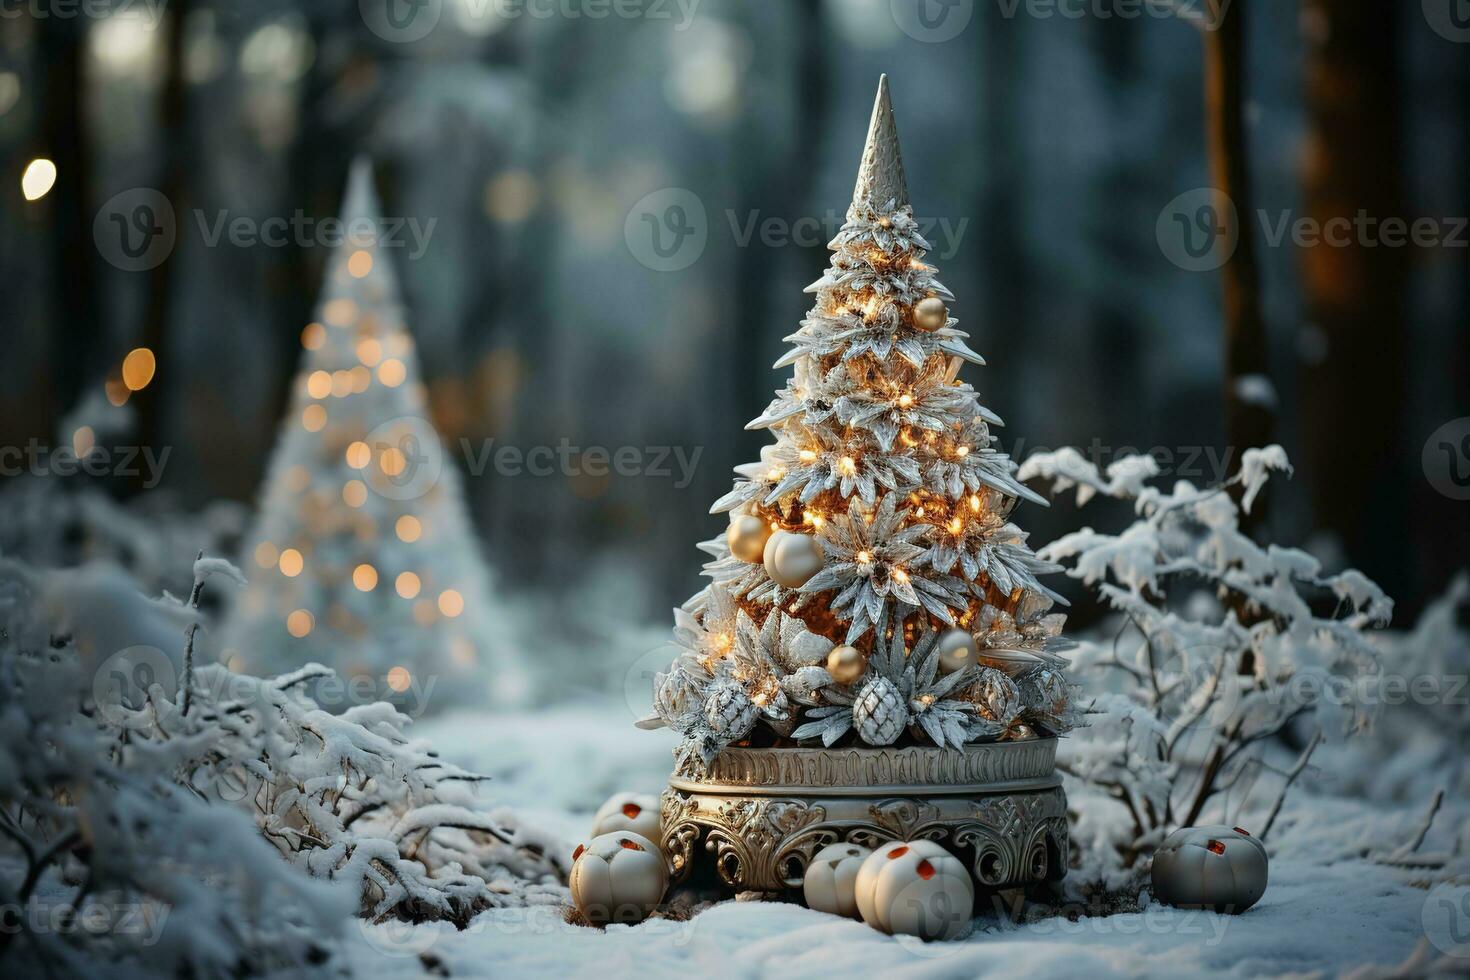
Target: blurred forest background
x,y
1054,142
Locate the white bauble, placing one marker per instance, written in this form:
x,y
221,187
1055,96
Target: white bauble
x,y
618,877
1218,867
956,650
747,537
792,558
831,879
915,888
637,812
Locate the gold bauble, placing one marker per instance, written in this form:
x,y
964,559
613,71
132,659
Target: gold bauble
x,y
846,664
791,558
956,650
747,537
1017,732
930,314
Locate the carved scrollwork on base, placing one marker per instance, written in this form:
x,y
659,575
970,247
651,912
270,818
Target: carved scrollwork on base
x,y
762,837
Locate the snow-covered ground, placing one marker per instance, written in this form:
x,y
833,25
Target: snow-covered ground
x,y
1328,911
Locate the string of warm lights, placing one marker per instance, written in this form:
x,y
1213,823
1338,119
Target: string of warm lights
x,y
871,540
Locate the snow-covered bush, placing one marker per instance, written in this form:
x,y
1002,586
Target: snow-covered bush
x,y
1220,645
1423,725
54,522
236,819
349,797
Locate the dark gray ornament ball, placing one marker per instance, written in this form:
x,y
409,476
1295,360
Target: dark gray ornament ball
x,y
1217,867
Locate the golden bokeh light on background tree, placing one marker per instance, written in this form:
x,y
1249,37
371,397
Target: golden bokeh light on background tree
x,y
358,566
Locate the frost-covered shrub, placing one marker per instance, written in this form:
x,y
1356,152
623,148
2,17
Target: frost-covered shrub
x,y
1220,645
54,522
230,815
349,797
1423,724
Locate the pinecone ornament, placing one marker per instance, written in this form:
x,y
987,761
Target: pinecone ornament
x,y
996,697
879,713
728,711
1048,700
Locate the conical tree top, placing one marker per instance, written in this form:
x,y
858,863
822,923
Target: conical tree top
x,y
360,201
361,216
880,176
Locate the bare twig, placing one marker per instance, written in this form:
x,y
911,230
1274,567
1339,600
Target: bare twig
x,y
1404,855
1291,774
189,639
1206,703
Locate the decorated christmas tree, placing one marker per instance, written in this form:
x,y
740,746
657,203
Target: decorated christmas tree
x,y
362,557
871,586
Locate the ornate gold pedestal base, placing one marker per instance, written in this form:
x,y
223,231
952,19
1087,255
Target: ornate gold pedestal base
x,y
763,813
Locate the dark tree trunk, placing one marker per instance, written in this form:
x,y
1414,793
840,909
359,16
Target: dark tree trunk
x,y
1248,422
74,307
1352,397
172,133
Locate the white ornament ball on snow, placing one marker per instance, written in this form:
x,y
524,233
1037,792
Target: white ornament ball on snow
x,y
956,650
637,812
618,877
792,558
915,888
1218,867
831,879
747,537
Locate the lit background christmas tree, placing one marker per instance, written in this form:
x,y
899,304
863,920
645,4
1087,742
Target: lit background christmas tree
x,y
362,557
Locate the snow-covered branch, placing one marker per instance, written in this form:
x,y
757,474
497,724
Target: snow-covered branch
x,y
247,820
1224,644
